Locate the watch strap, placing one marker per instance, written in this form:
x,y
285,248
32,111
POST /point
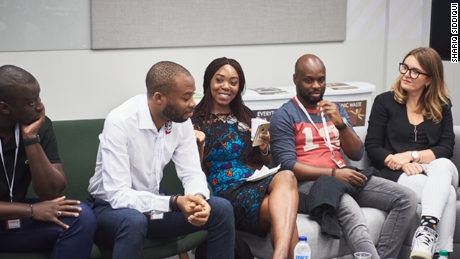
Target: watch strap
x,y
28,142
415,156
343,126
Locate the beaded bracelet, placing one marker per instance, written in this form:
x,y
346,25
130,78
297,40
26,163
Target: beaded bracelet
x,y
173,203
176,208
266,153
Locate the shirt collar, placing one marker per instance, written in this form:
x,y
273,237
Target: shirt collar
x,y
311,111
145,119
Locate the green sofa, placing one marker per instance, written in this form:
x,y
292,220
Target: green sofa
x,y
78,143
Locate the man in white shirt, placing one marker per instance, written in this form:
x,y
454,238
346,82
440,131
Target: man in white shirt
x,y
139,138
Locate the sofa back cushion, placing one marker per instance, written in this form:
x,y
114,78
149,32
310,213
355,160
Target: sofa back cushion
x,y
78,143
456,157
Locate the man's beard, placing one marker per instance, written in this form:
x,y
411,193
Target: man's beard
x,y
172,114
310,100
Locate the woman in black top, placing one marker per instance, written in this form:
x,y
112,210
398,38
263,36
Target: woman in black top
x,y
410,139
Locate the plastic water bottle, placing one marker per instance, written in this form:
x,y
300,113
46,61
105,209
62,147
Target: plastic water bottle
x,y
443,254
302,249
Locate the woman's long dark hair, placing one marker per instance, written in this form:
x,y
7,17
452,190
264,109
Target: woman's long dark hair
x,y
239,110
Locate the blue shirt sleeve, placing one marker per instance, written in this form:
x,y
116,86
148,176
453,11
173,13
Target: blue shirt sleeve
x,y
359,155
283,138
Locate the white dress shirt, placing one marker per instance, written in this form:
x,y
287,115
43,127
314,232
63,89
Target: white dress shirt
x,y
132,154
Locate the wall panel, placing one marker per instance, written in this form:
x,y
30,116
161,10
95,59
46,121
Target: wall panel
x,y
163,23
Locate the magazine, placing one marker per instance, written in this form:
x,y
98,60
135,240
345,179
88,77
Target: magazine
x,y
269,90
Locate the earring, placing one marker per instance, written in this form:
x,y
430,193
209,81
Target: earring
x,y
426,86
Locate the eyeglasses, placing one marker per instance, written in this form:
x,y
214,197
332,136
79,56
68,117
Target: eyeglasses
x,y
413,73
230,119
243,127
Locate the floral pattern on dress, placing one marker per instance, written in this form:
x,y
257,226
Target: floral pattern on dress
x,y
227,173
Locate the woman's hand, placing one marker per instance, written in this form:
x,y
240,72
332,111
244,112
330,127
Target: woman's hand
x,y
265,137
412,168
397,161
200,137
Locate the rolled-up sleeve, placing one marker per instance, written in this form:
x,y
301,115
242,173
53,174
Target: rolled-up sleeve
x,y
283,139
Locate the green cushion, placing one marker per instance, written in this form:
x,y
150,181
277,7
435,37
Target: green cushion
x,y
78,143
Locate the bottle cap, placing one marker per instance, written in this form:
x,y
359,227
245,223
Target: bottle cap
x,y
302,238
443,253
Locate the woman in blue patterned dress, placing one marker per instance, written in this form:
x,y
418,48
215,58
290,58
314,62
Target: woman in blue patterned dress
x,y
228,158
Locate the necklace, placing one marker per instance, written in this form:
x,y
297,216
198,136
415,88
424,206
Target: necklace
x,y
225,117
415,128
230,119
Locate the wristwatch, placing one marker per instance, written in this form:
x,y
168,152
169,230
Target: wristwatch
x,y
344,125
415,156
31,141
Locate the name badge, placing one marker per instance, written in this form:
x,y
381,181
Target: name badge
x,y
13,223
156,216
339,162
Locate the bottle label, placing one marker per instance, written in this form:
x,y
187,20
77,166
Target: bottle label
x,y
302,257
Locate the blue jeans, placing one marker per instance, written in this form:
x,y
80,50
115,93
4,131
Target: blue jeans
x,y
127,229
36,236
400,203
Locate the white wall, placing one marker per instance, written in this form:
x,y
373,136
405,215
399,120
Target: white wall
x,y
85,84
408,27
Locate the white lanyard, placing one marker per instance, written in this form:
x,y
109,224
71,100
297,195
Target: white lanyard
x,y
16,137
326,130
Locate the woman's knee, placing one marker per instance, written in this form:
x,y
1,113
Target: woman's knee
x,y
452,196
287,177
442,160
443,165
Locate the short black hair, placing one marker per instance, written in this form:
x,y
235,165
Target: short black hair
x,y
10,78
161,76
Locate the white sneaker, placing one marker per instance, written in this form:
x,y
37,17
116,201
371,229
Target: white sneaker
x,y
423,243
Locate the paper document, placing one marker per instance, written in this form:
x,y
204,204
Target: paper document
x,y
262,173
